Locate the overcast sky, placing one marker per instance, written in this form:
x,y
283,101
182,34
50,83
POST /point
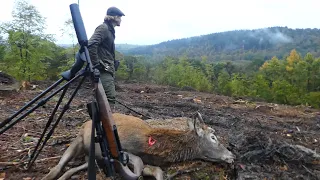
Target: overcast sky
x,y
154,21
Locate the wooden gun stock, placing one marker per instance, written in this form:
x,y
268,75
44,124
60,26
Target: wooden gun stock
x,y
107,119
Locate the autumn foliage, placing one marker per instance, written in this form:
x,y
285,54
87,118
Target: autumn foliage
x,y
293,80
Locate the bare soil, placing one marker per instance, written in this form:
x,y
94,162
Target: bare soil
x,y
271,141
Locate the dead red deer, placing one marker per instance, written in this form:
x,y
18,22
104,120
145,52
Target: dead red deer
x,y
156,147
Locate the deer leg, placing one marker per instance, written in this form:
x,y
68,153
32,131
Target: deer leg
x,y
73,150
154,171
137,164
125,172
71,171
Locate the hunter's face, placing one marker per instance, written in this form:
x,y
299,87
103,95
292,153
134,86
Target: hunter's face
x,y
118,20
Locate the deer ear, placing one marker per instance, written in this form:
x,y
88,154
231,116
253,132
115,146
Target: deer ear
x,y
194,124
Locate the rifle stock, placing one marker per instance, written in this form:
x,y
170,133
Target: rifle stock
x,y
106,119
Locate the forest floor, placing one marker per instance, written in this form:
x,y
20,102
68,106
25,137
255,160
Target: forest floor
x,y
270,141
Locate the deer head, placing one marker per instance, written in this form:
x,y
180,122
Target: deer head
x,y
209,146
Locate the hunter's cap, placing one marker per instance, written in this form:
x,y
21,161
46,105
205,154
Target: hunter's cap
x,y
113,11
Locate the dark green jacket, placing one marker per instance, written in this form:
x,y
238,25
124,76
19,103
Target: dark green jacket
x,y
102,48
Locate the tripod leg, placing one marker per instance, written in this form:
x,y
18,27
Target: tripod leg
x,y
41,103
65,108
92,169
47,125
2,124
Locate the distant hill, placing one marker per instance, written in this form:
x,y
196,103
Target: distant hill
x,y
237,45
65,45
125,48
119,47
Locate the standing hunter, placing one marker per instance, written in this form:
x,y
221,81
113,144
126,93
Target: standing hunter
x,y
102,51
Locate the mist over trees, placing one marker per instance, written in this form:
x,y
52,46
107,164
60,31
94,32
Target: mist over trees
x,y
275,64
238,45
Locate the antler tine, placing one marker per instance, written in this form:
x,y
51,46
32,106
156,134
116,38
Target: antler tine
x,y
200,117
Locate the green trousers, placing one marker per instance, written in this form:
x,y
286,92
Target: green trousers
x,y
108,84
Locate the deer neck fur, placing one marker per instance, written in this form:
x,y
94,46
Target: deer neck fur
x,y
171,146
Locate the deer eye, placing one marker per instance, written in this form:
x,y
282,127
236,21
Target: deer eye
x,y
213,138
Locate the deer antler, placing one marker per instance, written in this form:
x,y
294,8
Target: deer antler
x,y
199,117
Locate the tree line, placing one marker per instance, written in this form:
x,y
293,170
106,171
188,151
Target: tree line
x,y
292,80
